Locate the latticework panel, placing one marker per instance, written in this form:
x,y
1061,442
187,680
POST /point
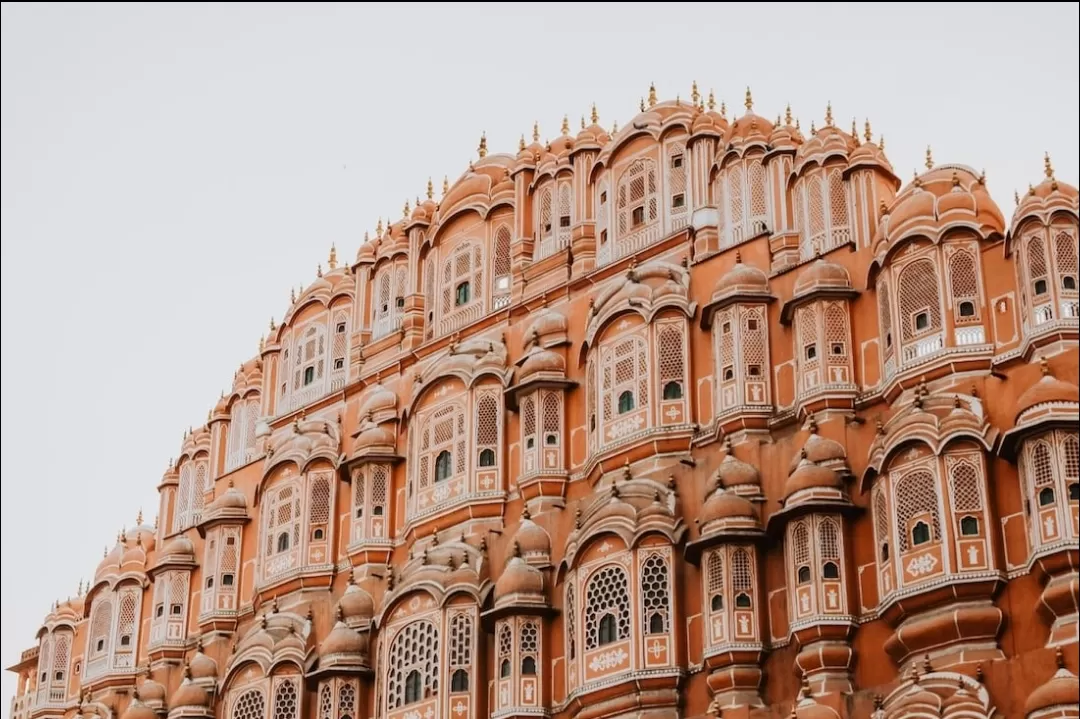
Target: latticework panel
x,y
966,490
250,705
286,700
655,592
918,293
800,545
828,541
607,593
916,495
742,572
415,648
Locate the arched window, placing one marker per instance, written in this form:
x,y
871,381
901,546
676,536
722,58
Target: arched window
x,y
1046,497
626,401
828,548
969,526
607,629
671,341
189,494
742,578
624,382
915,497
800,539
286,701
673,390
637,206
655,594
459,682
462,286
1037,266
607,607
413,664
500,270
250,705
487,429
571,622
830,570
442,466
920,299
463,294
964,283
487,458
504,669
283,542
717,602
528,667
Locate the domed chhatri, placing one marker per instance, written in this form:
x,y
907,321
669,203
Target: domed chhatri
x,y
638,418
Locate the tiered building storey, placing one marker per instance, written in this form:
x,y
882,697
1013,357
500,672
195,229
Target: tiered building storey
x,y
699,416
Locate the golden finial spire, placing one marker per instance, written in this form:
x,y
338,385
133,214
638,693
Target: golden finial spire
x,y
1047,167
787,114
138,518
406,210
292,295
482,150
695,96
854,130
582,122
712,100
1016,197
262,343
378,228
929,158
723,109
536,132
813,130
273,325
445,185
652,94
866,131
565,129
614,127
749,100
641,105
797,125
431,188
778,119
318,270
881,142
521,143
332,261
828,114
595,116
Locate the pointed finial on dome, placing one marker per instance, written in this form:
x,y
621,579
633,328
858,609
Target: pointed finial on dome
x,y
813,130
927,666
866,131
738,257
445,185
378,228
615,127
565,129
582,122
955,179
273,325
482,149
812,425
982,177
1059,658
594,117
787,114
431,188
106,552
1044,366
723,109
1047,167
854,131
1016,197
138,518
577,518
332,260
695,96
828,114
406,210
292,295
652,94
318,270
516,550
641,105
80,589
778,119
929,158
626,474
1031,190
712,100
521,143
749,101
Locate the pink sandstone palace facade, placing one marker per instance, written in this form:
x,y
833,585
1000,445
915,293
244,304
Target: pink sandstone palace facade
x,y
699,416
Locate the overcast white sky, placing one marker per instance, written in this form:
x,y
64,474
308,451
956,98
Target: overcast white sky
x,y
169,172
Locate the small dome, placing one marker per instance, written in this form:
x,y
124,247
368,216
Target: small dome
x,y
356,604
542,361
811,476
133,556
178,545
342,640
822,275
709,122
138,710
232,498
786,136
519,578
151,691
919,701
733,472
827,142
961,704
750,129
202,666
742,279
189,694
374,436
819,450
379,399
726,505
1047,390
531,537
1062,689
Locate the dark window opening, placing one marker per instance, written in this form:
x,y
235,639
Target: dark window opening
x,y
676,162
626,401
637,217
283,542
1068,282
603,197
487,458
160,611
504,669
811,352
967,309
317,535
209,582
969,526
717,603
442,466
742,601
1046,496
226,580
551,438
888,339
673,390
528,667
125,640
920,534
607,629
59,676
656,623
726,328
754,370
399,302
603,236
339,363
1074,492
309,375
1040,287
176,609
462,294
751,325
530,442
729,373
564,221
830,570
678,201
838,348
459,682
341,328
100,646
922,321
412,687
885,552
377,511
804,574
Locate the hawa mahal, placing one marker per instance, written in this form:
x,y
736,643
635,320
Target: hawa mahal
x,y
696,416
